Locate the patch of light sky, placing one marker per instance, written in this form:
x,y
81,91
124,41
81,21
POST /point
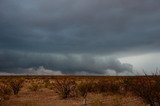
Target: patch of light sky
x,y
147,62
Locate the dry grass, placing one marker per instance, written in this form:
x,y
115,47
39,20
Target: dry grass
x,y
16,85
65,88
5,92
98,91
148,89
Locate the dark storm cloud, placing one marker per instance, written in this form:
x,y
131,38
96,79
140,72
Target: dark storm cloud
x,y
63,27
67,64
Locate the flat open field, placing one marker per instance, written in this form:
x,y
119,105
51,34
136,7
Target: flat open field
x,y
79,90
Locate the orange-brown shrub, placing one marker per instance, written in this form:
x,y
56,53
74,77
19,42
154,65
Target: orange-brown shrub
x,y
148,89
65,88
84,87
5,92
34,86
16,85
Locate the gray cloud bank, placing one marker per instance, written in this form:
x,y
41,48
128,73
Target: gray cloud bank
x,y
33,71
66,64
77,33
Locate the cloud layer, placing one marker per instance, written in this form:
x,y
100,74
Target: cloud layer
x,y
67,64
33,71
78,35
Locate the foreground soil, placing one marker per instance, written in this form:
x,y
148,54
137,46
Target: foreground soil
x,y
46,97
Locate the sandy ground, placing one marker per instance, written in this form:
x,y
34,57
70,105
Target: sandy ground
x,y
46,97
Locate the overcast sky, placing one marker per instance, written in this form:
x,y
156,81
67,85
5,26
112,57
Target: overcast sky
x,y
79,36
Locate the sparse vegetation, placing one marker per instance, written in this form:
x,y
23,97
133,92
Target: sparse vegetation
x,y
127,84
83,88
117,101
65,88
114,88
96,102
34,86
47,83
148,89
101,86
16,85
145,87
5,92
